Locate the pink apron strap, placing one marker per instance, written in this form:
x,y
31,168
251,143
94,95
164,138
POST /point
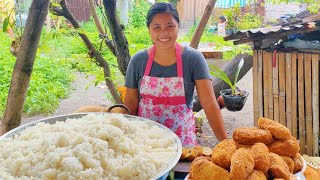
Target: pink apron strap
x,y
178,56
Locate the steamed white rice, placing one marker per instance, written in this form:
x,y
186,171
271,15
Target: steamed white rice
x,y
92,147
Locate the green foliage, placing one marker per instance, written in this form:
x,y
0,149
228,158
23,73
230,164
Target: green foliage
x,y
249,21
139,13
49,82
223,76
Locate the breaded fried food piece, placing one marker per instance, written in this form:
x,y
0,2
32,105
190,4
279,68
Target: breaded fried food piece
x,y
257,175
277,130
185,153
196,151
248,147
297,163
222,153
278,167
252,135
242,164
207,151
260,154
195,161
204,169
311,173
289,162
285,147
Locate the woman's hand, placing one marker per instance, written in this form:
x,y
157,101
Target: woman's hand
x,y
132,100
211,108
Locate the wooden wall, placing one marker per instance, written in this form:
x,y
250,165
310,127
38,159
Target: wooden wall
x,y
286,89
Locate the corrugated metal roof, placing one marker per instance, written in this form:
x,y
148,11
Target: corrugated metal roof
x,y
229,3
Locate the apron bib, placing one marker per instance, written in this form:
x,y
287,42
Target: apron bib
x,y
163,100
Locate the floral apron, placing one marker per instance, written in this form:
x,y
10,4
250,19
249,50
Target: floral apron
x,y
163,100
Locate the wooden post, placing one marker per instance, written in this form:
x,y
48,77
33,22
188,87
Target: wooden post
x,y
302,125
282,89
270,85
294,95
260,90
204,20
288,91
255,86
265,85
275,76
24,64
308,103
315,103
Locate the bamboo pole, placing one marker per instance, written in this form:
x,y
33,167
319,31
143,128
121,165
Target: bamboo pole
x,y
302,125
255,87
275,75
270,85
288,91
308,103
282,89
315,103
294,94
265,84
260,97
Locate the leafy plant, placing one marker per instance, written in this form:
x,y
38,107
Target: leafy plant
x,y
223,76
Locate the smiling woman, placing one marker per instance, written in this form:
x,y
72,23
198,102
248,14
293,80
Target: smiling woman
x,y
160,80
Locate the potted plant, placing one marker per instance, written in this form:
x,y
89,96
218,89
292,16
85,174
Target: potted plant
x,y
234,98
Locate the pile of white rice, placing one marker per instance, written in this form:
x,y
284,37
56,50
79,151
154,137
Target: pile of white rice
x,y
92,147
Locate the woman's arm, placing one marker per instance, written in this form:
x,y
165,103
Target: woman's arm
x,y
132,100
211,108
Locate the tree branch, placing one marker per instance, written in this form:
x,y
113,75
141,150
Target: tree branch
x,y
100,61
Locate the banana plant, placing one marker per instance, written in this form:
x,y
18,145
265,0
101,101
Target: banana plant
x,y
223,76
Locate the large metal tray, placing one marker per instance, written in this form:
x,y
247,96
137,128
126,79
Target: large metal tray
x,y
53,120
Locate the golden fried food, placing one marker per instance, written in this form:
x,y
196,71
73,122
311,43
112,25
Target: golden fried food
x,y
242,164
207,151
248,147
260,154
278,167
195,161
257,175
285,147
252,135
204,169
289,162
277,130
297,163
196,151
222,153
311,173
185,153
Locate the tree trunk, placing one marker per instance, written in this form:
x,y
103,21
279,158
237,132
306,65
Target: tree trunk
x,y
230,69
108,42
119,39
24,64
204,20
92,51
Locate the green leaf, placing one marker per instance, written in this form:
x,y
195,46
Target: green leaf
x,y
238,70
5,24
221,75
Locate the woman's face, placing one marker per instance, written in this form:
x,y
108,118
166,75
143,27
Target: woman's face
x,y
163,30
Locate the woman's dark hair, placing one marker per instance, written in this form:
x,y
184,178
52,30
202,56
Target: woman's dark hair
x,y
222,18
162,7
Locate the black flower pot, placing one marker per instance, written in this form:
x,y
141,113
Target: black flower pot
x,y
234,103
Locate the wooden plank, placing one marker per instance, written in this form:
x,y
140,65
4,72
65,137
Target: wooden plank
x,y
270,83
308,103
294,94
275,76
288,91
260,97
255,87
315,103
302,128
265,85
282,89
